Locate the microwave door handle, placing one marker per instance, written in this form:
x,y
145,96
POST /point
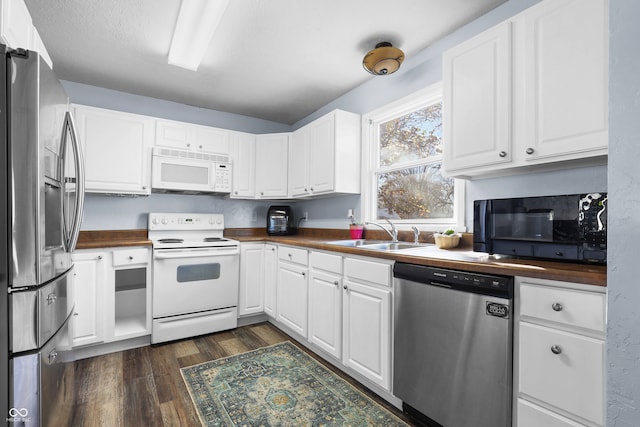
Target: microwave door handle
x,y
74,231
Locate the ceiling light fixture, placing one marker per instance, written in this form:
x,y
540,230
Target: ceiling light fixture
x,y
384,59
197,21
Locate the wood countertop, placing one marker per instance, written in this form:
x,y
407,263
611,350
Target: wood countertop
x,y
460,258
112,238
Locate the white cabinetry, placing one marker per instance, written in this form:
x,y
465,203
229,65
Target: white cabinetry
x,y
271,165
252,279
89,281
191,137
367,318
324,156
292,292
553,58
560,354
17,30
243,156
117,150
325,302
270,279
113,295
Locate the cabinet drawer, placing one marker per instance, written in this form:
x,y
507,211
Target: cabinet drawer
x,y
325,261
130,256
564,306
368,271
572,379
530,415
297,255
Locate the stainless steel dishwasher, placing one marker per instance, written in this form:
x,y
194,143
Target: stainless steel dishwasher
x,y
453,346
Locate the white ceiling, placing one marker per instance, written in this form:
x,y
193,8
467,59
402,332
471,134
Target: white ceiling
x,y
278,60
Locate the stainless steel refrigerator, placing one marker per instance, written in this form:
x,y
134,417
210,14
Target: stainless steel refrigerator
x,y
41,200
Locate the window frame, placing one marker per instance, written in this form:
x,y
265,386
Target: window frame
x,y
370,162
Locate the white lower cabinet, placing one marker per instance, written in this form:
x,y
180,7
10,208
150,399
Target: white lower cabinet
x,y
292,292
325,302
89,280
560,354
112,289
270,279
252,279
367,319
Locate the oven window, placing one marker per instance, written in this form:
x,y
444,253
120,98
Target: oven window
x,y
198,272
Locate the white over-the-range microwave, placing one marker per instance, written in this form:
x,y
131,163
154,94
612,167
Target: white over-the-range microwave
x,y
190,172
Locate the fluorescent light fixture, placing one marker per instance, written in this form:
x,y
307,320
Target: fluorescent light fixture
x,y
197,22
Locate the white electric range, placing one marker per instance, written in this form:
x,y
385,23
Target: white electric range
x,y
195,276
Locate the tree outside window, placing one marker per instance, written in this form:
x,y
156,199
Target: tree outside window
x,y
410,185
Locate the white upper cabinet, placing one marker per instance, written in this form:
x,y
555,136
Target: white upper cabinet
x,y
187,136
117,150
477,100
566,73
528,92
271,165
17,30
324,156
242,147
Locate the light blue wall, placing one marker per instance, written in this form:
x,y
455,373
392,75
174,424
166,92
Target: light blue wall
x,y
623,287
121,101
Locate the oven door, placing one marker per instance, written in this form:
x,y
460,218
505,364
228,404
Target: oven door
x,y
191,280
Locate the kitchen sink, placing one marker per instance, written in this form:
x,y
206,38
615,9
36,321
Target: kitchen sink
x,y
378,245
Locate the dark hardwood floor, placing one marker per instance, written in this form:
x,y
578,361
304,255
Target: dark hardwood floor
x,y
143,386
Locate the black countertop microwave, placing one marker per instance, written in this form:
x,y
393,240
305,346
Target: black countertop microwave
x,y
567,227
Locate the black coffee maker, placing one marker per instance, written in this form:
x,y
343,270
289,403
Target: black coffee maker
x,y
280,221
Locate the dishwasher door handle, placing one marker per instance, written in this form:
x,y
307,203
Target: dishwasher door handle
x,y
442,285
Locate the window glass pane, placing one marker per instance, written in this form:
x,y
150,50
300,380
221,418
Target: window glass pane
x,y
414,136
415,193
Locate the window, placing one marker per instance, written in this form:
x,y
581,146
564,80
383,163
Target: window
x,y
403,180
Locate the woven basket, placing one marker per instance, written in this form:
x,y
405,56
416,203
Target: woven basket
x,y
446,241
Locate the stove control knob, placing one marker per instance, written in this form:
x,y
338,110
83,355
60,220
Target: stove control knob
x,y
219,220
154,220
164,220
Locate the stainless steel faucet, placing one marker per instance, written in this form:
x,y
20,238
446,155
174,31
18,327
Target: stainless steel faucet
x,y
393,233
416,234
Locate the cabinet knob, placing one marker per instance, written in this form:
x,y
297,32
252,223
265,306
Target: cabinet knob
x,y
188,145
235,192
530,150
75,314
311,189
305,190
502,154
304,274
130,257
200,147
555,349
345,288
556,306
336,283
99,257
273,249
262,193
144,187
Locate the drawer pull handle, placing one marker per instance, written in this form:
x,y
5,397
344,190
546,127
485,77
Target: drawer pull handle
x,y
555,349
556,306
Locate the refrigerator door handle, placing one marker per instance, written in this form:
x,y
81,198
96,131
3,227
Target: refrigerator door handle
x,y
72,230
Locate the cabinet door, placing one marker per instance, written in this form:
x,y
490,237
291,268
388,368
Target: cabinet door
x,y
250,298
554,365
566,78
299,163
243,155
477,100
322,160
367,331
292,297
212,140
271,165
16,24
530,415
117,150
270,279
88,284
174,135
325,312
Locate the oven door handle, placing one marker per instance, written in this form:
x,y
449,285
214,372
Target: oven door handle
x,y
192,254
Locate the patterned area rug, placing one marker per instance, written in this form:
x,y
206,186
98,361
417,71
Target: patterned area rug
x,y
278,385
